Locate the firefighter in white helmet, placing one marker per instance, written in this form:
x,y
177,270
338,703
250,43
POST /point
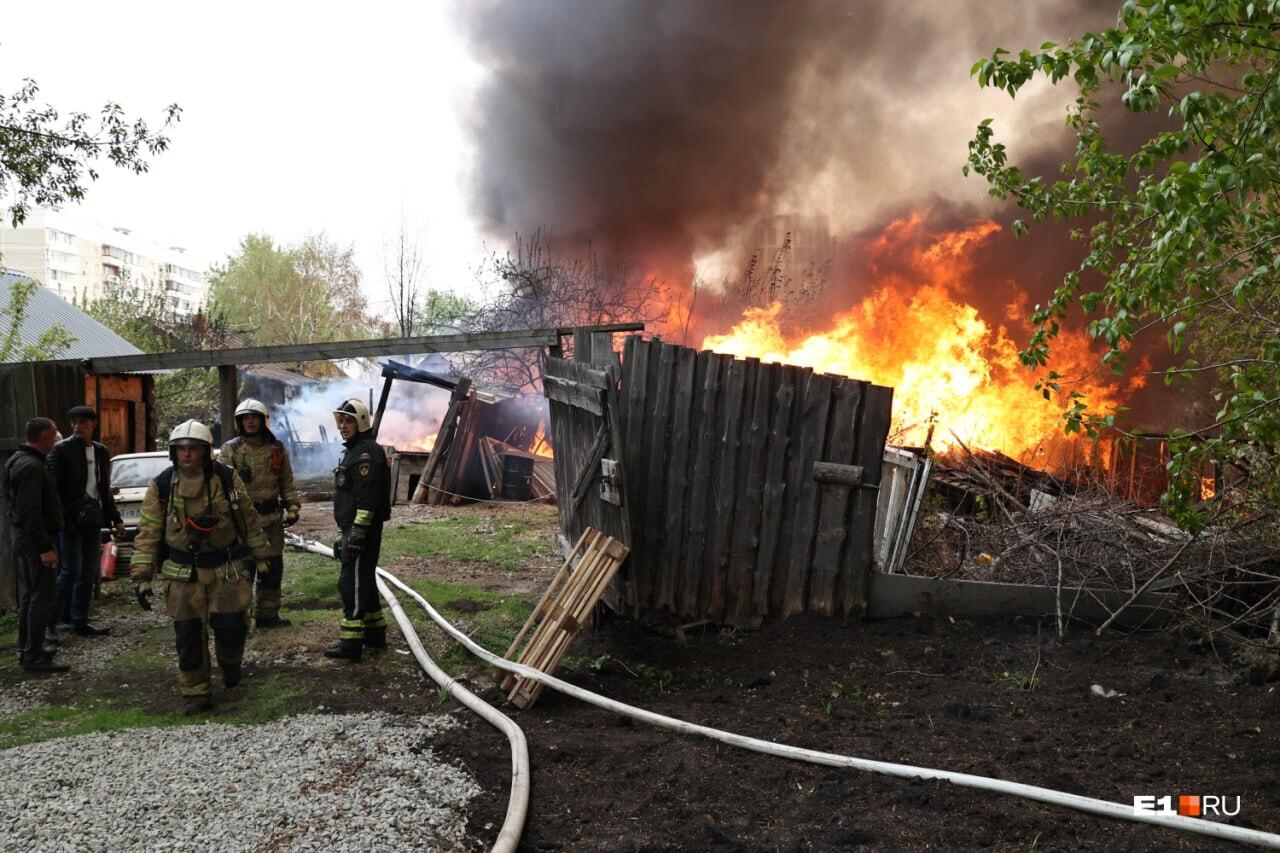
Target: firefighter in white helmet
x,y
361,503
199,530
264,467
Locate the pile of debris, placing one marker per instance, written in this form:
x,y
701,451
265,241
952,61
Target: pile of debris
x,y
989,518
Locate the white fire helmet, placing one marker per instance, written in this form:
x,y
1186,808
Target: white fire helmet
x,y
190,432
250,406
353,408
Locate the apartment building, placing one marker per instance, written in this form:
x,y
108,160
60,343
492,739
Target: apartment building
x,y
77,259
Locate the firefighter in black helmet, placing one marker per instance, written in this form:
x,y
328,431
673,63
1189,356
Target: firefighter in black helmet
x,y
361,503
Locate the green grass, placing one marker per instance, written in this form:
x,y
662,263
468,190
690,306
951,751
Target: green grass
x,y
310,581
261,701
146,658
493,628
310,578
506,542
90,716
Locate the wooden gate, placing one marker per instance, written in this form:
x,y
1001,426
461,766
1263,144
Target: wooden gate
x,y
588,448
753,486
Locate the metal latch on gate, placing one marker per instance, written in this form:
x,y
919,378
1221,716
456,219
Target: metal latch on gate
x,y
610,482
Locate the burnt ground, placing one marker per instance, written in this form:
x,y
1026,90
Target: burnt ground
x,y
956,696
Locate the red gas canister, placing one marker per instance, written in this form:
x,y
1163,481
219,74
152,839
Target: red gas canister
x,y
107,564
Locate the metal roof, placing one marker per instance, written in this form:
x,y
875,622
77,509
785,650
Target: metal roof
x,y
46,309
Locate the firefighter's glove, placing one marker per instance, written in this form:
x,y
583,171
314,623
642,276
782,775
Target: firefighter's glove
x,y
355,541
262,567
337,548
144,594
291,516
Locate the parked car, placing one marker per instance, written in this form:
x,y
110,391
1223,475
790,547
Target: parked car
x,y
131,473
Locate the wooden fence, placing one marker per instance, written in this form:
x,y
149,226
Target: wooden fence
x,y
727,522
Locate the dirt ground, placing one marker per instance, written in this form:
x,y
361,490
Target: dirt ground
x,y
1001,699
955,696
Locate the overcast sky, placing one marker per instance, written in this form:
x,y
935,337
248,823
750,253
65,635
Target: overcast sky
x,y
297,117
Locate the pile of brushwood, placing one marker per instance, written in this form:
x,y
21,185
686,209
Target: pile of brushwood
x,y
988,518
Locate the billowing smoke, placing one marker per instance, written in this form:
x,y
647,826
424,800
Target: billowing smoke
x,y
412,418
665,131
662,130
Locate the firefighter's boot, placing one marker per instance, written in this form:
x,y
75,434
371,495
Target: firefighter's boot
x,y
344,650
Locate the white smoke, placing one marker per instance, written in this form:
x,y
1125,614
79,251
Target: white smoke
x,y
413,416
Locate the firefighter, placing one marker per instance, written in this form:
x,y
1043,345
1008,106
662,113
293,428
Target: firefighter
x,y
264,468
361,503
199,530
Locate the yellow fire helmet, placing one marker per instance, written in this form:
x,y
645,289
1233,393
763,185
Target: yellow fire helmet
x,y
353,408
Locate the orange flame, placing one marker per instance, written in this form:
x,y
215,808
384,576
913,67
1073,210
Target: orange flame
x,y
422,444
540,446
1208,488
950,368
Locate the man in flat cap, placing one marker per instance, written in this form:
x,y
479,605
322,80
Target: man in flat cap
x,y
82,469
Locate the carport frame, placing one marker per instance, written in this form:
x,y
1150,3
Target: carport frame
x,y
227,361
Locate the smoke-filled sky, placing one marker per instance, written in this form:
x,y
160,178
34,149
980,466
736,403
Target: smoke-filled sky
x,y
657,127
661,129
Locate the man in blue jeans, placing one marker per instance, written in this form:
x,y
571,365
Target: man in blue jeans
x,y
82,469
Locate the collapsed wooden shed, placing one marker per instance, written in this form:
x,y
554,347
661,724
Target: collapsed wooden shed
x,y
746,490
482,448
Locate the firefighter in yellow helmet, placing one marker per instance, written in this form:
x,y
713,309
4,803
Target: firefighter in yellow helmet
x,y
263,465
361,503
199,530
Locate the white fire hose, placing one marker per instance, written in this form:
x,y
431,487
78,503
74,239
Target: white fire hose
x,y
518,801
1089,805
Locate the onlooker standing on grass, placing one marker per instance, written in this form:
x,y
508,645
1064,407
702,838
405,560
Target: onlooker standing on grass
x,y
82,469
36,518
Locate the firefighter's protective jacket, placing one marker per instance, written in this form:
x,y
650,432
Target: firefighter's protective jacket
x,y
267,474
163,543
361,484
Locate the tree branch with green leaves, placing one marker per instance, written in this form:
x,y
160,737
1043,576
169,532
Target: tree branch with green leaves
x,y
1181,231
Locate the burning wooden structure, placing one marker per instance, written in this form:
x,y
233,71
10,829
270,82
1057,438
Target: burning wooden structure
x,y
481,449
745,490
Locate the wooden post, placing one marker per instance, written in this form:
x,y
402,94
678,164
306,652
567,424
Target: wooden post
x,y
228,391
382,406
582,346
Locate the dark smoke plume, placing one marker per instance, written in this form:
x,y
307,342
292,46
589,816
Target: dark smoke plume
x,y
659,129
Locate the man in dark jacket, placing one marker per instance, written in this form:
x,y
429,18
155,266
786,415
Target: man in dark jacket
x,y
35,517
82,469
361,503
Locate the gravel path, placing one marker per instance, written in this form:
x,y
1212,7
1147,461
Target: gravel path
x,y
318,782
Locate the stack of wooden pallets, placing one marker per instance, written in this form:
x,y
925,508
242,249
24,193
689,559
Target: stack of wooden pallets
x,y
562,612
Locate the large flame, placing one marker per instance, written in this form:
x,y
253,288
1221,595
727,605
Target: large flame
x,y
419,444
956,376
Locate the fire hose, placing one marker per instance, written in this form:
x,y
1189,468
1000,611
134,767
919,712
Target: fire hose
x,y
1089,805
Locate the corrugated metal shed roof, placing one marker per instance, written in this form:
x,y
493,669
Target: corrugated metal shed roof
x,y
92,339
